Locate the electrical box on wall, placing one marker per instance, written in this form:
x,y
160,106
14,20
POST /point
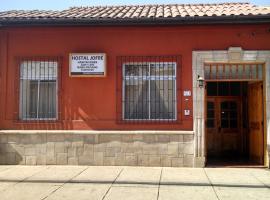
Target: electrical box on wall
x,y
187,93
187,112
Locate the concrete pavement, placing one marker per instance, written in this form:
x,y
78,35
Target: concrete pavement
x,y
128,183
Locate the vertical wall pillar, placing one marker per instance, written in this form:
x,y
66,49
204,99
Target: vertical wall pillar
x,y
3,72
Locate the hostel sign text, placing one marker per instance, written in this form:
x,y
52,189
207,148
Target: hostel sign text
x,y
87,64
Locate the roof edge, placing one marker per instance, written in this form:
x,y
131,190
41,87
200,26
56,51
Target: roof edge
x,y
137,21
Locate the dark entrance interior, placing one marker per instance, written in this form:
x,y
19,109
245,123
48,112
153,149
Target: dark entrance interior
x,y
234,123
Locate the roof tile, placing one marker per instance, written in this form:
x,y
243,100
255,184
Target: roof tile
x,y
142,11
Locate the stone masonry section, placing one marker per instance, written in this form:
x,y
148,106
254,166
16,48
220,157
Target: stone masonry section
x,y
174,149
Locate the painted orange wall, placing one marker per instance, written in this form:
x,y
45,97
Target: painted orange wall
x,y
90,103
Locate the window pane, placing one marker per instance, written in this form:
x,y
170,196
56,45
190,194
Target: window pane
x,y
224,123
162,98
227,71
233,123
149,96
210,105
136,69
136,99
211,89
247,70
233,105
223,88
234,71
254,71
38,89
224,114
224,105
233,114
162,69
220,71
210,123
33,94
28,99
47,99
210,114
240,71
235,89
213,72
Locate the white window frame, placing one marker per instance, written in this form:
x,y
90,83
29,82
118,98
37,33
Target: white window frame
x,y
56,93
148,78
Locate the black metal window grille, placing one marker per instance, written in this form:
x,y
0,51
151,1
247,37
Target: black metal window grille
x,y
149,91
38,90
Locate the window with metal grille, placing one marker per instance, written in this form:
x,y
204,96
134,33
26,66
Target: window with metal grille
x,y
149,91
38,90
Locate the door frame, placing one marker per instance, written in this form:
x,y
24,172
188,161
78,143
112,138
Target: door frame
x,y
264,116
229,55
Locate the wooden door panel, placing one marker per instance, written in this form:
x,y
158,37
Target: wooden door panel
x,y
223,136
229,117
255,112
230,142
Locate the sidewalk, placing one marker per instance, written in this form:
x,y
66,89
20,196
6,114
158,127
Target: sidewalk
x,y
140,183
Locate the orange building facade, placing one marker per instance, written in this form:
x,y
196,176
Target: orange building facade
x,y
90,109
90,103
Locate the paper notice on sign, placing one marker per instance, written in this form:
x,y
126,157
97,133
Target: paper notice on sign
x,y
87,64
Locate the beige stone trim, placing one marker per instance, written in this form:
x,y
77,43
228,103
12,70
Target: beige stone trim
x,y
51,148
198,60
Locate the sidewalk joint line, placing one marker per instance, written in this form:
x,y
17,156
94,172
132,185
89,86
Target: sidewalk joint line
x,y
112,184
60,186
22,180
211,184
268,187
160,177
2,170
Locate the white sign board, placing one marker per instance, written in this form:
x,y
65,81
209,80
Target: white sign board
x,y
87,64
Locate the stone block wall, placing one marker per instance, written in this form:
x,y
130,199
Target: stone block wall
x,y
175,149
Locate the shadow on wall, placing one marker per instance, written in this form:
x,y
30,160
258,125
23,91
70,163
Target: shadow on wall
x,y
77,113
21,148
10,151
68,115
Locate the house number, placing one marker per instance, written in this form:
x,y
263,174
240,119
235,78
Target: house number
x,y
187,93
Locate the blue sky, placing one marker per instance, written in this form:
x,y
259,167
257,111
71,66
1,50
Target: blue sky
x,y
63,4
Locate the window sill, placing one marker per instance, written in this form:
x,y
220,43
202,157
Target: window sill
x,y
152,121
36,121
97,132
